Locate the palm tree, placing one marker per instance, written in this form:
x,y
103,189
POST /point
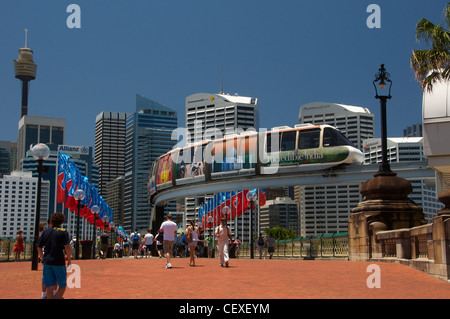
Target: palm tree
x,y
431,66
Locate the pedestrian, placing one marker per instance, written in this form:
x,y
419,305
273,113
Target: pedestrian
x,y
261,243
201,244
43,288
117,249
135,237
126,247
148,242
223,233
18,246
104,244
57,248
169,230
270,245
159,244
192,232
238,243
177,245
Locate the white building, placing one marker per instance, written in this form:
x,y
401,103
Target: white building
x,y
207,114
405,149
325,209
18,193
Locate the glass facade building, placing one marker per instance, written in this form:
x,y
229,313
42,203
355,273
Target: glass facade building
x,y
148,136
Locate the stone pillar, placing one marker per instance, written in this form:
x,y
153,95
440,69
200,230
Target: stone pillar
x,y
386,207
441,239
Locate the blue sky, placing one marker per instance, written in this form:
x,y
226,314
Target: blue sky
x,y
285,53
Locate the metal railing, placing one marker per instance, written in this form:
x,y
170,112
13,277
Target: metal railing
x,y
7,250
323,246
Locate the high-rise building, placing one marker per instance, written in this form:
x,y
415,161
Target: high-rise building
x,y
208,114
115,191
39,129
18,193
415,130
148,136
5,158
355,122
225,112
110,130
325,209
406,149
281,211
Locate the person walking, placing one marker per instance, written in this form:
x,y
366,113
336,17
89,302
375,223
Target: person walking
x,y
270,246
223,233
148,242
261,244
104,244
57,248
169,230
135,239
18,246
192,233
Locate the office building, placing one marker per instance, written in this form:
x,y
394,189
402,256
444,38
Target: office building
x,y
281,211
325,209
407,149
39,129
415,130
115,191
206,112
210,114
148,136
18,193
110,130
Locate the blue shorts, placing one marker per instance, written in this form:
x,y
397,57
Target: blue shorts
x,y
53,275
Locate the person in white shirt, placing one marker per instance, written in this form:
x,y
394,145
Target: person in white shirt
x,y
148,242
223,233
169,230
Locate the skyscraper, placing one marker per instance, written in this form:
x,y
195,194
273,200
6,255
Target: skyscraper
x,y
110,130
148,136
39,129
325,209
207,114
225,112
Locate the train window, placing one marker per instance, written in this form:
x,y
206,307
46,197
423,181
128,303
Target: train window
x,y
309,138
288,140
332,137
272,146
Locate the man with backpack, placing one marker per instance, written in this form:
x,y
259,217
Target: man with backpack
x,y
135,238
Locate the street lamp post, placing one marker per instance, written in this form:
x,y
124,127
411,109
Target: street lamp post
x,y
94,209
79,195
210,219
381,78
251,197
226,211
40,152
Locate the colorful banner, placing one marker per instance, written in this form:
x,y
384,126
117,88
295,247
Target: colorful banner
x,y
235,200
69,180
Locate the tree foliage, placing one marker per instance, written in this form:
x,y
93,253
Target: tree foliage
x,y
279,232
433,65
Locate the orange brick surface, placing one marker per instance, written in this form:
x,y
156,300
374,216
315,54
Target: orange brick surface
x,y
130,278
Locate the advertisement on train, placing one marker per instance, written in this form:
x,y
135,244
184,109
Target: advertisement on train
x,y
190,164
164,172
235,156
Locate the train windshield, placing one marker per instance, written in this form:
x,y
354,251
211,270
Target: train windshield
x,y
332,137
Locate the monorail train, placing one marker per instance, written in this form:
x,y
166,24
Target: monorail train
x,y
283,150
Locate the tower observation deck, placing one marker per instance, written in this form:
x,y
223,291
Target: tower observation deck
x,y
25,70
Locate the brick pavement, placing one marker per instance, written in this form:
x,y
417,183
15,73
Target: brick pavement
x,y
129,278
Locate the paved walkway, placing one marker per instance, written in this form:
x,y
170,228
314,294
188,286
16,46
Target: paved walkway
x,y
130,278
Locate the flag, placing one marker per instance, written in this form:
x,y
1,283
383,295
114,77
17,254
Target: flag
x,y
63,160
